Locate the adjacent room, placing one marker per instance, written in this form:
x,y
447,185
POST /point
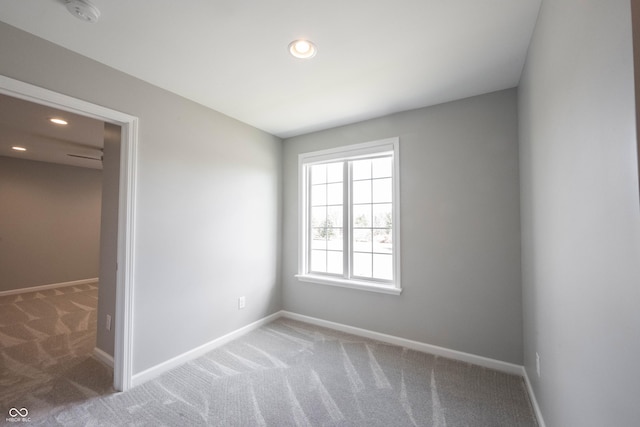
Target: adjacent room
x,y
416,213
57,230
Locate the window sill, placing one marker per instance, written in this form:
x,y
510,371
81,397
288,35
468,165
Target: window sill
x,y
351,284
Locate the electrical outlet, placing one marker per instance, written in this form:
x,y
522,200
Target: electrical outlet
x,y
108,322
538,364
241,303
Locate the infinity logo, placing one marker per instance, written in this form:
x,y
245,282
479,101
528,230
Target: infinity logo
x,y
22,412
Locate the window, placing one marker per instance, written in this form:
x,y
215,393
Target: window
x,y
349,217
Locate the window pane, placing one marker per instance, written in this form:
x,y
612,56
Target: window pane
x,y
319,261
334,262
362,216
318,174
319,216
362,241
362,265
334,239
382,190
382,168
382,215
318,195
383,267
318,238
334,194
361,169
335,172
334,216
362,192
323,232
382,241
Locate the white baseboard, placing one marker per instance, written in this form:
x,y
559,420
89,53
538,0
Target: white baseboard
x,y
534,401
414,345
103,357
45,287
155,371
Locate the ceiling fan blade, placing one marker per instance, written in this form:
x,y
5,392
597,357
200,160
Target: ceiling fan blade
x,y
84,157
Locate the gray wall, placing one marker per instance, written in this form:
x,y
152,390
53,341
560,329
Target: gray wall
x,y
109,237
49,223
460,229
580,215
208,202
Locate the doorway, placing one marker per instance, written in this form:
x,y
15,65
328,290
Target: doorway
x,y
122,321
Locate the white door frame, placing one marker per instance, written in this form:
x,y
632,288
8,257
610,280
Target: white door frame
x,y
123,352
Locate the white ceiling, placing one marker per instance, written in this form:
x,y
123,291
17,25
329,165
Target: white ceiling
x,y
375,57
25,124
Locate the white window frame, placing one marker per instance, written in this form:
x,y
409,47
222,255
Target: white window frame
x,y
350,152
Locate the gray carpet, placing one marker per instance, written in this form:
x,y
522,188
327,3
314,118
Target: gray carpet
x,y
46,342
289,373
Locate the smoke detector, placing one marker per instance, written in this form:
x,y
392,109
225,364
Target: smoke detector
x,y
83,9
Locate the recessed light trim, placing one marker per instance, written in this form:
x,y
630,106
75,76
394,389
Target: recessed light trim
x,y
303,49
58,121
18,148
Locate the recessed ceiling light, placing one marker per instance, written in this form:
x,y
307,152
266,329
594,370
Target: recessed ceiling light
x,y
15,147
58,121
303,49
